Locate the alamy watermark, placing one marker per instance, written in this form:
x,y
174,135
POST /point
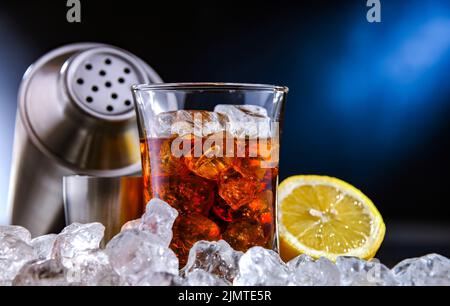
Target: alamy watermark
x,y
374,13
74,11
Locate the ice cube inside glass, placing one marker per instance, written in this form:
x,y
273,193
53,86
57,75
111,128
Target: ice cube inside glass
x,y
212,152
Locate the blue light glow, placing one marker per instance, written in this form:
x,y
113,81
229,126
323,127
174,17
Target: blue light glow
x,y
14,58
388,85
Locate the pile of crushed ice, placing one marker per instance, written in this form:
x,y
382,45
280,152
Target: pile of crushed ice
x,y
140,255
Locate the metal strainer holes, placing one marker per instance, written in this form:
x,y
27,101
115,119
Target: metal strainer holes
x,y
99,81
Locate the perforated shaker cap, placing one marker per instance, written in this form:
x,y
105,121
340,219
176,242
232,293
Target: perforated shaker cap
x,y
76,106
99,81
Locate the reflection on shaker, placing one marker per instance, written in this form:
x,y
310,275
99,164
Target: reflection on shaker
x,y
110,201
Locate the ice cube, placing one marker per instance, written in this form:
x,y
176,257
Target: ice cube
x,y
200,277
237,189
261,158
158,219
75,239
14,253
245,233
133,224
135,253
159,279
260,209
162,160
210,163
358,272
261,267
92,268
429,270
184,122
299,261
246,120
188,194
16,231
41,273
162,124
306,272
44,245
190,228
216,257
211,123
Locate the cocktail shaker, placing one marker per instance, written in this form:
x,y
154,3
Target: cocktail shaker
x,y
112,201
75,116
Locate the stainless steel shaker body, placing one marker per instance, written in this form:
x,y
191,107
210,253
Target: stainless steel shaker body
x,y
75,116
112,201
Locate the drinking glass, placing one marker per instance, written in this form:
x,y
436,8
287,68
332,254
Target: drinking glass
x,y
211,150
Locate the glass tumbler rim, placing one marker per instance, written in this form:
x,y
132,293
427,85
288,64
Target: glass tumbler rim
x,y
210,86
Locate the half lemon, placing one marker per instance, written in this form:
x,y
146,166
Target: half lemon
x,y
323,216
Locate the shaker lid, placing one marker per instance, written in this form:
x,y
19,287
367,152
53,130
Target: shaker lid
x,y
76,105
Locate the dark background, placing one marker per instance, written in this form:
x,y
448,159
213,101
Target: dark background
x,y
368,103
